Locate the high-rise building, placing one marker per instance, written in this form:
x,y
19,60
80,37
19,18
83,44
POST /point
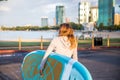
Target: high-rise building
x,y
93,14
44,21
117,19
83,12
106,12
60,15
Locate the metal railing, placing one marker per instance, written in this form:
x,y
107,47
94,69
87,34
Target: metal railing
x,y
44,43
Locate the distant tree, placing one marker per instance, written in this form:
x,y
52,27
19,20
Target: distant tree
x,y
34,28
73,25
45,28
3,28
101,26
76,26
80,27
55,27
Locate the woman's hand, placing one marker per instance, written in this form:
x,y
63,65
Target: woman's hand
x,y
41,73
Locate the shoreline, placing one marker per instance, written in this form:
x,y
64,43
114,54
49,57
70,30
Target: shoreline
x,y
33,35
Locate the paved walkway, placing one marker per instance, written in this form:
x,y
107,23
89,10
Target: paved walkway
x,y
104,64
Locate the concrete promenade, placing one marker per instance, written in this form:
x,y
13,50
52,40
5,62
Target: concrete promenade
x,y
104,64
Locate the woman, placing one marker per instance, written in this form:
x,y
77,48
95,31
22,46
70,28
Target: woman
x,y
65,44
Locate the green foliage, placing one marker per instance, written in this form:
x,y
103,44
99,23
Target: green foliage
x,y
101,26
55,27
109,28
36,28
76,26
25,28
45,28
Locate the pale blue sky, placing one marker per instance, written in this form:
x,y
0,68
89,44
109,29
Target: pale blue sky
x,y
22,12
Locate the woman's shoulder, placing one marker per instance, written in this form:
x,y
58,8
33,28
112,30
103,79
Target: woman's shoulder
x,y
56,38
59,37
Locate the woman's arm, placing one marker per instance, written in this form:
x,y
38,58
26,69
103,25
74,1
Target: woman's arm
x,y
75,56
48,51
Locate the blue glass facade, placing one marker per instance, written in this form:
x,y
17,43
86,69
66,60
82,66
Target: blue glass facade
x,y
59,15
106,12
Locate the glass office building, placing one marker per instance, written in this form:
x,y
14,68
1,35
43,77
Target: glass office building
x,y
44,21
106,12
59,15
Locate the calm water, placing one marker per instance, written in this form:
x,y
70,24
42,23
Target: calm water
x,y
14,35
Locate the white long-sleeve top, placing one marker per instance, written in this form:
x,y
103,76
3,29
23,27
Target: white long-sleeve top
x,y
60,45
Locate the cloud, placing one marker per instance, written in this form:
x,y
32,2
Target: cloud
x,y
30,11
4,8
51,7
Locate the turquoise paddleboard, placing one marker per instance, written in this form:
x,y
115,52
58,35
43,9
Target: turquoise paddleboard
x,y
57,67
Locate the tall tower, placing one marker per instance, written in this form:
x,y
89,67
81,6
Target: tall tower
x,y
60,15
106,12
44,21
83,12
94,14
117,19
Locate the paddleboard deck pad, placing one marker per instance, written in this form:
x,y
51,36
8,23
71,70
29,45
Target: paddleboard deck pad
x,y
57,67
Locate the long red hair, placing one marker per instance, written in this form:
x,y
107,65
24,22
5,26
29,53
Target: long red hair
x,y
66,30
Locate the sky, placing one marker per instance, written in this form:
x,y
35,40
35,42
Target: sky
x,y
25,12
